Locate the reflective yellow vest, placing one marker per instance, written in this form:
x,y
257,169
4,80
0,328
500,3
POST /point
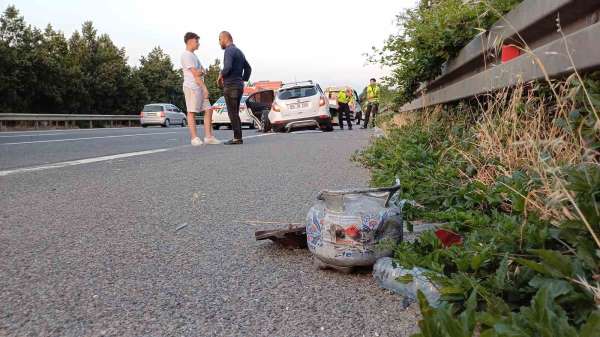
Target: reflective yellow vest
x,y
373,93
342,97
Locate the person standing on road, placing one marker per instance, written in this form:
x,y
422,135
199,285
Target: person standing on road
x,y
372,102
195,91
358,114
343,100
236,71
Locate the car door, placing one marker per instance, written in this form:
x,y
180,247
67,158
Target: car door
x,y
179,113
259,104
357,102
173,115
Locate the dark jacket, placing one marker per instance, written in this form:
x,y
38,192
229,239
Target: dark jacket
x,y
236,70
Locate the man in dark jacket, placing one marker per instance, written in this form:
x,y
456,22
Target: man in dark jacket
x,y
236,71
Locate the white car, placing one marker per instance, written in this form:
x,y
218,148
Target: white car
x,y
295,105
221,117
163,114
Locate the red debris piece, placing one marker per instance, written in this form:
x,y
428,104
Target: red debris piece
x,y
448,238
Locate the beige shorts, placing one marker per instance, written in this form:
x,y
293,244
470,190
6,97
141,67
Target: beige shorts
x,y
194,100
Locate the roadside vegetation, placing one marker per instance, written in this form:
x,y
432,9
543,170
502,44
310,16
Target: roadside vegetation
x,y
431,34
517,174
43,71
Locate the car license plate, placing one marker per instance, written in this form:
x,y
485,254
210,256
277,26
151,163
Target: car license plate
x,y
295,106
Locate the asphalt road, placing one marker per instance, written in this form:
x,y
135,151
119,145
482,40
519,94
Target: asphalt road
x,y
132,232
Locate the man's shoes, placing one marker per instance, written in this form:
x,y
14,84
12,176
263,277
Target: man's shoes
x,y
196,141
234,142
363,127
212,141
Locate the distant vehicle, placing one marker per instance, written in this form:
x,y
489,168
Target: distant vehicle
x,y
294,105
221,117
355,107
163,114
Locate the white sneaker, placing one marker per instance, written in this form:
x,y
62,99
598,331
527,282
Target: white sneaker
x,y
212,141
196,142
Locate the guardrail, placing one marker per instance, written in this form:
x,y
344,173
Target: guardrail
x,y
477,68
68,118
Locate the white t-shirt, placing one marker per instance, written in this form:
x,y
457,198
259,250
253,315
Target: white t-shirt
x,y
189,60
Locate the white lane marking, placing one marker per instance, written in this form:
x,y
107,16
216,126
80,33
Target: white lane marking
x,y
80,162
88,138
117,156
261,135
306,131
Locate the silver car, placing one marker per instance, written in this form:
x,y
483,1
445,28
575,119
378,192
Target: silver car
x,y
163,114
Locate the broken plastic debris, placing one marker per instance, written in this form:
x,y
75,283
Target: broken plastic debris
x,y
291,237
180,227
405,281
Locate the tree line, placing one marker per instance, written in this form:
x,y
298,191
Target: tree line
x,y
42,71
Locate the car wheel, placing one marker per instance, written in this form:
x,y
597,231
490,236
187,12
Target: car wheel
x,y
252,126
144,125
167,124
277,129
184,123
216,126
327,127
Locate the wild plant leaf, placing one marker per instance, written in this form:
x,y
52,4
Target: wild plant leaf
x,y
538,267
428,324
555,287
592,327
500,276
468,316
556,261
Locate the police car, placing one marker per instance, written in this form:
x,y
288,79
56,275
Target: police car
x,y
221,117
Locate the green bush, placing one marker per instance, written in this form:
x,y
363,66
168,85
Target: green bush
x,y
430,35
518,272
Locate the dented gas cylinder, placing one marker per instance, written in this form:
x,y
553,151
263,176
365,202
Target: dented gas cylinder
x,y
350,228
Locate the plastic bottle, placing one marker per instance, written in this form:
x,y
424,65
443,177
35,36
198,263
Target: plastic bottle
x,y
387,276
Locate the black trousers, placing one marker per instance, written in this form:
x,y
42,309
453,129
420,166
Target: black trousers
x,y
372,108
344,108
233,97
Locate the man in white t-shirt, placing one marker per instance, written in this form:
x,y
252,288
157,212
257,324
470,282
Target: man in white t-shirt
x,y
195,91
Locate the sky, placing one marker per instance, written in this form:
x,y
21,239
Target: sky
x,y
318,40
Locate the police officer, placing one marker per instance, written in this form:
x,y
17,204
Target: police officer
x,y
372,102
343,99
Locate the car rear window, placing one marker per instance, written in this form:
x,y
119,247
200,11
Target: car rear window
x,y
298,92
153,108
